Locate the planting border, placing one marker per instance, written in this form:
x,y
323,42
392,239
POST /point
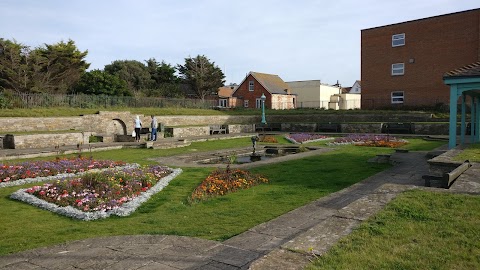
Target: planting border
x,y
124,210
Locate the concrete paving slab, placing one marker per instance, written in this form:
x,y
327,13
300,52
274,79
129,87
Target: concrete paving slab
x,y
281,259
322,237
365,207
255,241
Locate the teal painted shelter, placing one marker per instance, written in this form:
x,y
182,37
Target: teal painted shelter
x,y
465,84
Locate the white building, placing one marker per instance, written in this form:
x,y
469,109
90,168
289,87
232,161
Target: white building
x,y
313,94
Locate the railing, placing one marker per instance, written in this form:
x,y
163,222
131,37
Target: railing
x,y
94,101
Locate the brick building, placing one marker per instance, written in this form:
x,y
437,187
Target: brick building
x,y
403,64
276,91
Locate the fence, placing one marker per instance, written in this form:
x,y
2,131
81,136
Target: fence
x,y
101,101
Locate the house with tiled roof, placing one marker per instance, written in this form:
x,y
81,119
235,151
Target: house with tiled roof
x,y
356,88
276,91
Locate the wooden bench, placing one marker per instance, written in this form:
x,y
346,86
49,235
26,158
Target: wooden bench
x,y
268,127
398,128
218,129
329,127
447,179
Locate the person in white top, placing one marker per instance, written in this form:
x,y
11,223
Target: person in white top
x,y
138,126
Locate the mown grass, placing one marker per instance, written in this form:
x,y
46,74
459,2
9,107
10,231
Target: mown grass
x,y
471,153
292,184
418,230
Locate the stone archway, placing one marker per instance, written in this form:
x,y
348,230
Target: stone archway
x,y
116,127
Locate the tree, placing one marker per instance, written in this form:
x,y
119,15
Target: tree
x,y
202,75
133,72
14,66
51,68
161,73
98,82
57,67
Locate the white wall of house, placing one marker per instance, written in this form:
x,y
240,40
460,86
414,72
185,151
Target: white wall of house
x,y
356,88
345,101
312,94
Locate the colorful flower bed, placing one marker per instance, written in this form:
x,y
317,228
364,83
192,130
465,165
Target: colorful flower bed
x,y
99,194
305,137
267,139
374,140
221,182
35,169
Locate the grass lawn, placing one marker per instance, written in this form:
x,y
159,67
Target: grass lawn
x,y
471,153
417,230
292,184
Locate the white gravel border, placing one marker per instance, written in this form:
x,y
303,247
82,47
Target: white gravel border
x,y
124,210
61,176
309,141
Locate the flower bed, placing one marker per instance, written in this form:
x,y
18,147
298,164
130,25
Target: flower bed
x,y
370,140
99,194
221,182
34,171
305,137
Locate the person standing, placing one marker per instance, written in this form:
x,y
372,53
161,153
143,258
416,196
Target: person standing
x,y
154,126
138,128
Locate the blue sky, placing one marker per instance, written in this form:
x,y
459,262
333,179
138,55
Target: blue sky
x,y
297,40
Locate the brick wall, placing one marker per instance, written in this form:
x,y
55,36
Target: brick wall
x,y
432,47
243,93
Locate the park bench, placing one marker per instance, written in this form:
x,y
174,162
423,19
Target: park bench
x,y
329,127
218,129
447,179
268,127
398,128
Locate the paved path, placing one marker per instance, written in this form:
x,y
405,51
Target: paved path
x,y
286,242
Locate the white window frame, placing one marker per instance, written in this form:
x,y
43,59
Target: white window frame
x,y
245,103
258,103
251,85
222,102
398,40
398,69
397,97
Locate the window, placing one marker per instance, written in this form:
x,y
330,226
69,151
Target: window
x,y
397,97
250,85
245,103
222,102
258,103
398,40
398,69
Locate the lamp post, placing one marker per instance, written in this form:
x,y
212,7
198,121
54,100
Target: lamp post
x,y
263,98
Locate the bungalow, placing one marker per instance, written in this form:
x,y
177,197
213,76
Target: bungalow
x,y
276,91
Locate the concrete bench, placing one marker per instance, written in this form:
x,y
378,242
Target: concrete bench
x,y
268,127
398,128
218,129
447,179
329,127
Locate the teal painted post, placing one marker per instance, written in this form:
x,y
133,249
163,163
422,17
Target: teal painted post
x,y
462,123
477,119
452,130
472,120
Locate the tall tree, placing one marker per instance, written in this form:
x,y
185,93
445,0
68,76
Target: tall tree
x,y
202,75
162,72
58,67
98,82
14,66
133,72
50,68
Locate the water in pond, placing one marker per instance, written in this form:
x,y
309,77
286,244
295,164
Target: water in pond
x,y
239,160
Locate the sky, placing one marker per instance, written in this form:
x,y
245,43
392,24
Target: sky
x,y
296,40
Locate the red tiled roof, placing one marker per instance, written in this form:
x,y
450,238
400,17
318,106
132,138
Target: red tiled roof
x,y
472,70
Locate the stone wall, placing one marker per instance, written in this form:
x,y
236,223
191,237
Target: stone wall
x,y
49,140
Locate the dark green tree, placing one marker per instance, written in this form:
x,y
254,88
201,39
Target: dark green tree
x,y
57,67
133,72
202,75
15,71
162,72
47,69
98,82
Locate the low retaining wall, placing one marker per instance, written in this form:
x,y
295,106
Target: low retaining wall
x,y
46,140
